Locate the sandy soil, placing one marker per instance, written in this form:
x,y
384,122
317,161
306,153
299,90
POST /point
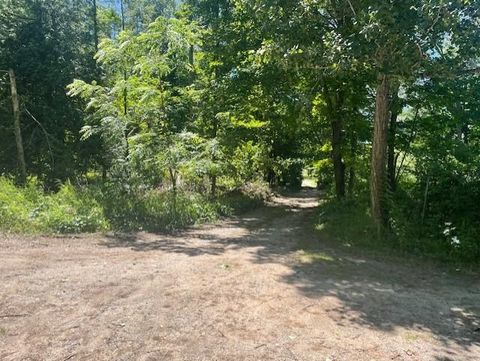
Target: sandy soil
x,y
235,290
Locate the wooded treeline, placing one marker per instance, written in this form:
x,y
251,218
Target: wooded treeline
x,y
377,100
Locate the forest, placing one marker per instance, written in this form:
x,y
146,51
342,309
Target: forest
x,y
240,180
152,115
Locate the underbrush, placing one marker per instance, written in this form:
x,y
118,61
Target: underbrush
x,y
159,210
30,210
349,222
90,209
156,210
346,221
249,196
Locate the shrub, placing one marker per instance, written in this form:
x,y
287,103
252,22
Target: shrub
x,y
30,210
16,205
249,161
449,239
347,221
70,210
444,223
258,190
157,210
74,210
322,172
288,172
247,197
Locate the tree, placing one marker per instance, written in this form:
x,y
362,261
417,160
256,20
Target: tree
x,y
46,44
158,67
17,127
407,35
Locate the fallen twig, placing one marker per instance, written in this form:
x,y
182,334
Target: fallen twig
x,y
306,307
15,315
153,351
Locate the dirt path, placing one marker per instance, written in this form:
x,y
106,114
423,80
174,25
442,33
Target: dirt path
x,y
236,290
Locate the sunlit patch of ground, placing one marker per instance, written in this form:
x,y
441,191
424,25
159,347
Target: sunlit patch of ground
x,y
258,287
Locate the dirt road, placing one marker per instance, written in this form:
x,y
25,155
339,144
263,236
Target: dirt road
x,y
236,290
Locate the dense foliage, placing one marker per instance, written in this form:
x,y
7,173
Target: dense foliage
x,y
158,110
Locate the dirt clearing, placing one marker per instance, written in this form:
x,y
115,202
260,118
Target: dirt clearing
x,y
236,290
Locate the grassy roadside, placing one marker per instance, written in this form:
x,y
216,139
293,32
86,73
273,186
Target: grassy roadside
x,y
29,210
347,224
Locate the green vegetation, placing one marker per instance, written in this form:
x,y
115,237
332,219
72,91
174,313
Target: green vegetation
x,y
310,256
91,209
28,209
161,113
349,223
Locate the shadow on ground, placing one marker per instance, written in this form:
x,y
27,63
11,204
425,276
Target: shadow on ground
x,y
377,294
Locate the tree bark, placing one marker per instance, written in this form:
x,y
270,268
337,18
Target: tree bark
x,y
392,132
351,175
173,179
338,164
213,189
379,154
17,128
104,173
334,103
95,25
191,55
125,93
213,177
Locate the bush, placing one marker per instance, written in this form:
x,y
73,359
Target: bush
x,y
70,210
249,161
30,210
288,172
446,225
16,205
75,210
247,197
322,172
438,236
257,190
157,210
347,221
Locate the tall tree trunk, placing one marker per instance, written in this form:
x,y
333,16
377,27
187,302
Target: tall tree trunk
x,y
213,189
191,55
173,179
353,153
334,104
379,154
125,112
17,128
213,178
392,133
104,173
338,164
125,93
351,180
95,25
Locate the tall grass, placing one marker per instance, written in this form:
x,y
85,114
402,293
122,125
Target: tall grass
x,y
349,223
91,209
157,210
30,210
